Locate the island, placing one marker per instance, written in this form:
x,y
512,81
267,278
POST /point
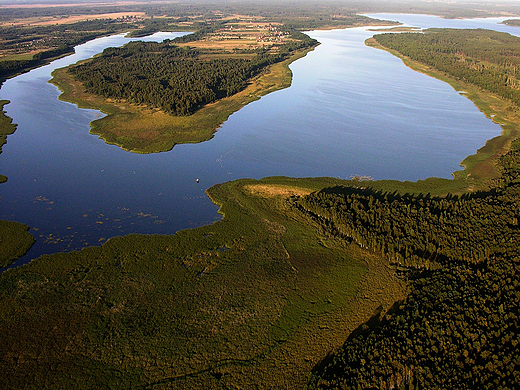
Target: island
x,y
157,95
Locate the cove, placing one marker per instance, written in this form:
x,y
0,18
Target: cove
x,y
350,110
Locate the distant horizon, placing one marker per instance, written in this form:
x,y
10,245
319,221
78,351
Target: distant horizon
x,y
440,7
342,2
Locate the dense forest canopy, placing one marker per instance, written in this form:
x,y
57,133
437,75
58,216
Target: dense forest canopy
x,y
488,59
458,328
177,80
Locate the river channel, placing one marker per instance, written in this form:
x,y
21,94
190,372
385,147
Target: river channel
x,y
350,110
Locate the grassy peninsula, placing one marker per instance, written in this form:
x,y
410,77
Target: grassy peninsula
x,y
144,113
254,300
7,127
143,129
15,241
257,299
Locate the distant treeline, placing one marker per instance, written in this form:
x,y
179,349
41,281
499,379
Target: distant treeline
x,y
52,41
488,59
13,66
512,22
16,13
177,80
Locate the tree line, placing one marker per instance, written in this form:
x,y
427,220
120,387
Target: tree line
x,y
413,230
176,80
458,328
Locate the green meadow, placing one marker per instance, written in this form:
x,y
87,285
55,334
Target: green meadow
x,y
252,300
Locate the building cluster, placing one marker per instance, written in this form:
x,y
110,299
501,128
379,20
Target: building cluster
x,y
260,32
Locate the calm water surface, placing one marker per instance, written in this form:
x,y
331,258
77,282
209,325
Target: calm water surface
x,y
350,110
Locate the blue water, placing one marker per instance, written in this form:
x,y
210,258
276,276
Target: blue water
x,y
350,110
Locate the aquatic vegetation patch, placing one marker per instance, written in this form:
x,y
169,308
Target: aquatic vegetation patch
x,y
220,305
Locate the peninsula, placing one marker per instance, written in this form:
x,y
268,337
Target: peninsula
x,y
157,95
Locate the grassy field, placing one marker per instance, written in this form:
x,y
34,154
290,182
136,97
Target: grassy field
x,y
480,168
252,301
70,19
15,241
144,130
7,127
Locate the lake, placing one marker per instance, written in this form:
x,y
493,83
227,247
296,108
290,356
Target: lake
x,y
350,110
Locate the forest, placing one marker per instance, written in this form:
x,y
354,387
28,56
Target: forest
x,y
487,59
458,326
176,80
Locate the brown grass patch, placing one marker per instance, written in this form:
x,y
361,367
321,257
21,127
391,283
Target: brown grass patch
x,y
272,190
55,5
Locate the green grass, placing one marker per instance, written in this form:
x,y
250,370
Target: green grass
x,y
7,127
144,130
20,57
253,300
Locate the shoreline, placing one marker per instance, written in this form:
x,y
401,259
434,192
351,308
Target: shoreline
x,y
262,245
150,130
479,169
7,127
